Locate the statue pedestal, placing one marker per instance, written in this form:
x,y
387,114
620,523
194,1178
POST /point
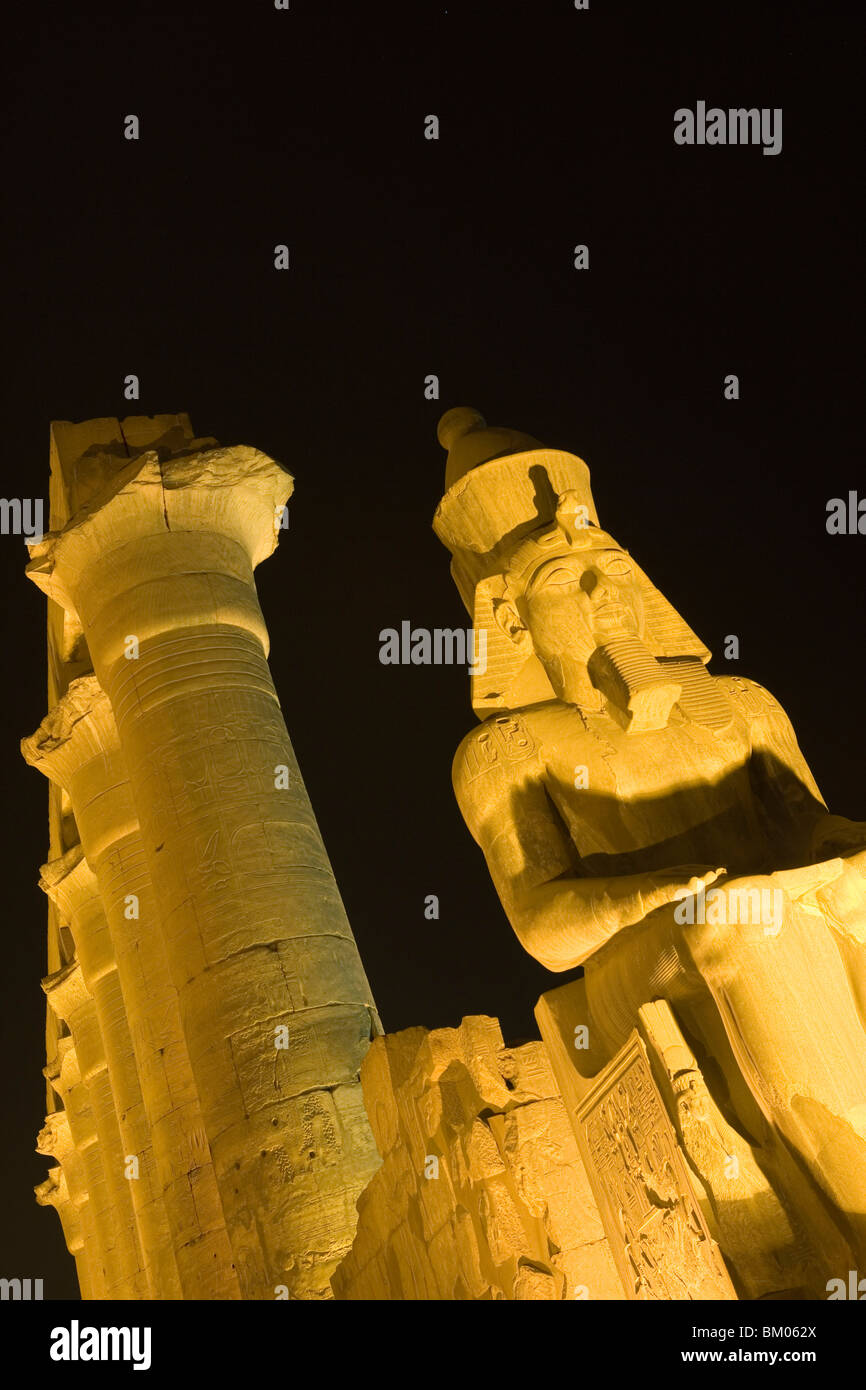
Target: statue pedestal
x,y
650,1208
686,1205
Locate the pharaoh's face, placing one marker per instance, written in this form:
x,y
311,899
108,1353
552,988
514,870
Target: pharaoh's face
x,y
575,602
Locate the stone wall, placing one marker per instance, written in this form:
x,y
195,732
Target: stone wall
x,y
482,1193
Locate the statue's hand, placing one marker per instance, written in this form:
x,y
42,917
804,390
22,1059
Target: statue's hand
x,y
666,885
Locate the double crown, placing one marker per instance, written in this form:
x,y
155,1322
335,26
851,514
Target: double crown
x,y
510,504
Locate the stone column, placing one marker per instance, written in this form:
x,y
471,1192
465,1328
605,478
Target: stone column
x,y
72,1002
114,1271
107,1063
54,1192
276,1008
55,1141
77,746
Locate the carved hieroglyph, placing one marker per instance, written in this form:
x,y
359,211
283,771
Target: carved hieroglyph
x,y
663,1242
770,1245
660,827
209,1011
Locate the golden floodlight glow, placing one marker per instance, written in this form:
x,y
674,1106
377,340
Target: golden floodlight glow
x,y
226,1116
208,1008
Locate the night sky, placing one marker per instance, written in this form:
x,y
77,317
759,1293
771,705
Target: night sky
x,y
454,257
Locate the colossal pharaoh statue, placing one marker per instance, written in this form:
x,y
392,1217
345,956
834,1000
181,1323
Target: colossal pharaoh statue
x,y
659,827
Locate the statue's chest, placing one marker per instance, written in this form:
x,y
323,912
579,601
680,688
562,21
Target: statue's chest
x,y
619,792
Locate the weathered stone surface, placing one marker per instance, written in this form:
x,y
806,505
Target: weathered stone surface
x,y
230,1000
106,1057
77,746
482,1193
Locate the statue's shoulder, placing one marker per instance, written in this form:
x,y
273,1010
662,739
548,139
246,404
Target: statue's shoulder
x,y
750,699
502,751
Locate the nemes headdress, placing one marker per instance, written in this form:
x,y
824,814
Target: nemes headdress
x,y
511,504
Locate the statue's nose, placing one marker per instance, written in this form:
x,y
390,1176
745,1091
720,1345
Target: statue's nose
x,y
596,586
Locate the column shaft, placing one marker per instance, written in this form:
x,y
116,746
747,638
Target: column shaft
x,y
276,1009
77,744
55,1141
114,1084
114,1270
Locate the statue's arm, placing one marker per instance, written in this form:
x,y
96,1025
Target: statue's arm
x,y
559,916
788,791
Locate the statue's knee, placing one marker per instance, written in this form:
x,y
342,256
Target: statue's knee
x,y
707,949
732,927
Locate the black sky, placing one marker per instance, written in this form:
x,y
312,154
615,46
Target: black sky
x,y
411,257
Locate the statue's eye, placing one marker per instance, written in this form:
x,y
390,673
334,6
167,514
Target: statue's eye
x,y
559,577
618,568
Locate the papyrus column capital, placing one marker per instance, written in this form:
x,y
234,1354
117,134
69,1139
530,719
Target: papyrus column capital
x,y
71,1000
55,1137
77,746
79,728
64,1075
72,885
69,881
54,1192
66,991
63,1071
223,504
